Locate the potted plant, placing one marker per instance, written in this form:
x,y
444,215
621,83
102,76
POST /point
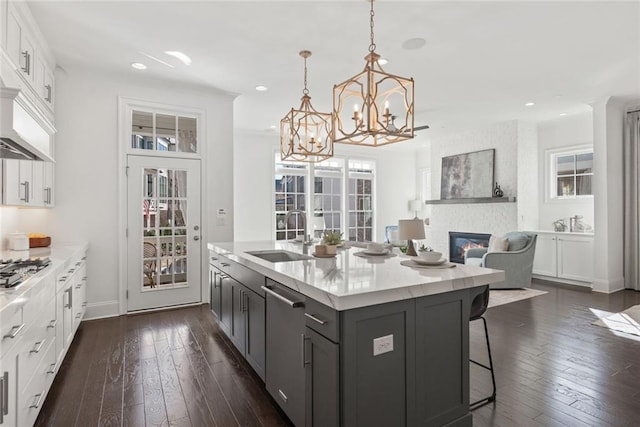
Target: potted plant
x,y
331,239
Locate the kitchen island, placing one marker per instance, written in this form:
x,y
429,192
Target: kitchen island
x,y
351,340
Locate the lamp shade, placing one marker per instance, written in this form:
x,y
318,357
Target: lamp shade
x,y
410,229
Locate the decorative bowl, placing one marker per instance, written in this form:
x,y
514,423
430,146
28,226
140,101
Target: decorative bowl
x,y
430,256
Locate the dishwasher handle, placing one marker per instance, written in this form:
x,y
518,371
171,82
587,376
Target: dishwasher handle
x,y
293,304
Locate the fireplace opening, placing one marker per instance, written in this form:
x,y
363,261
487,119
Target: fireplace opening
x,y
459,243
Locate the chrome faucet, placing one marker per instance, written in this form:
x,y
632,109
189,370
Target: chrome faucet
x,y
306,239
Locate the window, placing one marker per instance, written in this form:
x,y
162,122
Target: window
x,y
325,197
163,132
571,174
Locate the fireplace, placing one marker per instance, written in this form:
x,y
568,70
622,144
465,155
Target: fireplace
x,y
460,242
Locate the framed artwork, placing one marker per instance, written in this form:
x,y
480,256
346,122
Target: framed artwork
x,y
467,175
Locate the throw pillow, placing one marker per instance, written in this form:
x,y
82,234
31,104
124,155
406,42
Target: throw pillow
x,y
497,244
517,240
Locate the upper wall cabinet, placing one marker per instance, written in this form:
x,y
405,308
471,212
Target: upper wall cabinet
x,y
27,63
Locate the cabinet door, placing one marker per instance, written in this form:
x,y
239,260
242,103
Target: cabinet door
x,y
225,316
285,375
27,56
13,37
216,294
545,259
16,182
36,184
238,323
67,317
575,258
9,387
322,381
255,317
48,184
61,301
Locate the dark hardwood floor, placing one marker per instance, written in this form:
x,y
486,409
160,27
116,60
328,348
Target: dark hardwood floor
x,y
175,368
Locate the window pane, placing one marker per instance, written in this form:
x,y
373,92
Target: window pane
x,y
583,185
187,135
166,132
584,163
142,130
565,165
566,186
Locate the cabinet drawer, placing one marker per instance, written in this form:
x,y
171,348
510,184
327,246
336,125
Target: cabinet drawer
x,y
33,396
239,272
39,301
11,325
322,319
35,344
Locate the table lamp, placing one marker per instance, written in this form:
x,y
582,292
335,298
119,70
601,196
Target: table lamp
x,y
409,230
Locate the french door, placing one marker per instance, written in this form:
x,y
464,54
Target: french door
x,y
163,232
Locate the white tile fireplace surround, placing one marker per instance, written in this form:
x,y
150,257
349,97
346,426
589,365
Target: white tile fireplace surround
x,y
489,218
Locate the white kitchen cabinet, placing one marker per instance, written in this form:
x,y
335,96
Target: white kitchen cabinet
x,y
21,47
27,183
9,387
27,56
564,257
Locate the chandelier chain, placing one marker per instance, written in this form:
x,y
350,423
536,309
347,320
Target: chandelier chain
x,y
305,91
372,46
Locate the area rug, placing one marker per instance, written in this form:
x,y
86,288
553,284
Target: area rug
x,y
627,321
506,296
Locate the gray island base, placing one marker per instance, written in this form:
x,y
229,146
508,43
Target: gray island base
x,y
353,342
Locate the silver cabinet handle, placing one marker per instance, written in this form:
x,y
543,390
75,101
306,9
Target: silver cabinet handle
x,y
70,298
38,399
78,315
78,263
26,191
84,304
52,324
293,304
52,369
303,352
14,331
196,237
27,62
38,347
224,264
79,285
48,97
315,319
282,395
83,258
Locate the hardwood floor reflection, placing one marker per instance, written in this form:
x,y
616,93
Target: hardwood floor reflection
x,y
176,368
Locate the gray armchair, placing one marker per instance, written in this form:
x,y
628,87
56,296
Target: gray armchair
x,y
517,263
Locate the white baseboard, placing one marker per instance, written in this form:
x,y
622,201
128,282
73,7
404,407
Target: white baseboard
x,y
99,310
608,286
561,280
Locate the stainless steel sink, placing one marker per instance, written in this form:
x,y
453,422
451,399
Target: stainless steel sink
x,y
279,256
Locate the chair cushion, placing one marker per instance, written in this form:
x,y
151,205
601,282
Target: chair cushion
x,y
517,240
473,261
497,244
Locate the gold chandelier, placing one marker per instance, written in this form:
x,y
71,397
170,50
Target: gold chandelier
x,y
305,134
373,108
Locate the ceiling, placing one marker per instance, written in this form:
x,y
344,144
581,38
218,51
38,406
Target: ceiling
x,y
481,63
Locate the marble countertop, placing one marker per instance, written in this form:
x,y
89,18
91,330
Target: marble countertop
x,y
60,255
566,233
350,281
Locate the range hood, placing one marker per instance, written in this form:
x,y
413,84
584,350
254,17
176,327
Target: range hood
x,y
25,133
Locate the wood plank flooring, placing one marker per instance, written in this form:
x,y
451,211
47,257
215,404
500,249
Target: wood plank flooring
x,y
176,368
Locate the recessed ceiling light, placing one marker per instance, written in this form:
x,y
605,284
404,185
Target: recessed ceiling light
x,y
563,114
261,88
415,43
138,66
529,104
383,61
179,55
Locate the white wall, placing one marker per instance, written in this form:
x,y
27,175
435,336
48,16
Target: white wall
x,y
492,218
554,134
254,186
87,198
528,177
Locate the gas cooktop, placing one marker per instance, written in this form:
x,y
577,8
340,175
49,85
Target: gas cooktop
x,y
14,272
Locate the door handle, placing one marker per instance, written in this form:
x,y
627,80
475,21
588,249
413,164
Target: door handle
x,y
14,331
38,347
36,404
48,97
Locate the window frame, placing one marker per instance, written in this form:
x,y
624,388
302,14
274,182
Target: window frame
x,y
551,173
